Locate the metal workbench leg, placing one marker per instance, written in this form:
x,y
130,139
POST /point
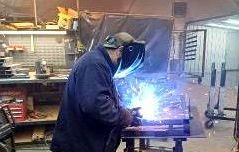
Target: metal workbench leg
x,y
141,144
178,146
129,145
144,144
222,90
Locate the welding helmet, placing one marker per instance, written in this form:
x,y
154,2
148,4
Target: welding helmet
x,y
132,54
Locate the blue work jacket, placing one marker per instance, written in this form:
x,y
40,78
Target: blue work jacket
x,y
90,110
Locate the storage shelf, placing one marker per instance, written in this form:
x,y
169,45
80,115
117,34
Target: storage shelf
x,y
50,111
26,32
24,137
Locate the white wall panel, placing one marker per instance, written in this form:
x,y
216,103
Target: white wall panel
x,y
222,46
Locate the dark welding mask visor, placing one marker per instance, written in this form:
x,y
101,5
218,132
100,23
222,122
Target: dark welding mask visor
x,y
132,59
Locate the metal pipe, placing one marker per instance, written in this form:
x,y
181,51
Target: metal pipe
x,y
35,11
223,75
78,8
204,52
173,17
213,75
129,14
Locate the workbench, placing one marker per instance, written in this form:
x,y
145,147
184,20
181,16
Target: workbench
x,y
145,133
33,79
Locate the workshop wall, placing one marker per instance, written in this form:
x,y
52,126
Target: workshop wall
x,y
232,55
232,52
201,9
221,46
52,50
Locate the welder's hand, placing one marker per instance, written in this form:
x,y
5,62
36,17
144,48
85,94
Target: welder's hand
x,y
136,116
136,122
135,112
126,117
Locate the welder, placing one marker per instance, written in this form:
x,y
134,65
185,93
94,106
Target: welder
x,y
90,117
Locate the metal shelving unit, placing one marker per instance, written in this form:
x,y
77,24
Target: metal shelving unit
x,y
50,45
51,111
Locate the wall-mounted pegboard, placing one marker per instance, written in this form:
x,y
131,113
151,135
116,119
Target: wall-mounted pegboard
x,y
48,47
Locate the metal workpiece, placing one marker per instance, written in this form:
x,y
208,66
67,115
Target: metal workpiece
x,y
158,100
165,112
171,119
145,133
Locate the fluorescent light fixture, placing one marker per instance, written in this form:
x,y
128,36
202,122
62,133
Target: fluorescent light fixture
x,y
223,26
231,21
33,32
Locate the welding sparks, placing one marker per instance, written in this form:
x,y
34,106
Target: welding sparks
x,y
146,98
145,94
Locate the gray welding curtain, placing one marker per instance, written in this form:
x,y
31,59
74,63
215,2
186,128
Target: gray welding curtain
x,y
154,31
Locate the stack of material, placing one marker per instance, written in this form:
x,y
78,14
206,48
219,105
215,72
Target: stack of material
x,y
38,134
5,67
26,25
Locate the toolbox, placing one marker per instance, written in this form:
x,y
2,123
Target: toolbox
x,y
16,100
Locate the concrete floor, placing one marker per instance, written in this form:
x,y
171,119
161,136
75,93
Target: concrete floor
x,y
219,139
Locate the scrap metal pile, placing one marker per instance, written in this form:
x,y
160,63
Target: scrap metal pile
x,y
158,99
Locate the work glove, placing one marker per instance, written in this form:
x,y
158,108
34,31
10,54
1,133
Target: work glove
x,y
130,117
126,117
136,117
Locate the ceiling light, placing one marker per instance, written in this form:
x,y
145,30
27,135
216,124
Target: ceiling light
x,y
223,26
232,21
